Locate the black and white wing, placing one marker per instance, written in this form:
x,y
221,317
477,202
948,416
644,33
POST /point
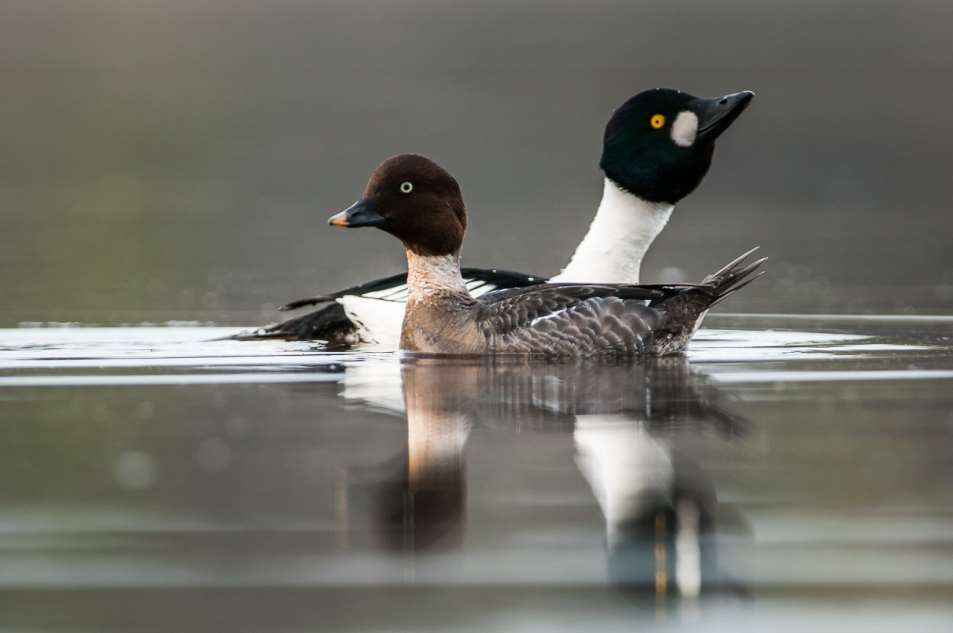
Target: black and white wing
x,y
479,281
329,322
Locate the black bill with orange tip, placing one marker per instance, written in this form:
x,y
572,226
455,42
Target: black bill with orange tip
x,y
361,213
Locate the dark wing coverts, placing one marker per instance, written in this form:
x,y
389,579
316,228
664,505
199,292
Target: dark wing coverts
x,y
566,319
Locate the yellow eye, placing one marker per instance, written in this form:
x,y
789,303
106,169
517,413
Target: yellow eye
x,y
657,121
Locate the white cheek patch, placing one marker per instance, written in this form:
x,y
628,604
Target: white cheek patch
x,y
684,129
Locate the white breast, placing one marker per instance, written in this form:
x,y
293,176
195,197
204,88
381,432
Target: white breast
x,y
377,320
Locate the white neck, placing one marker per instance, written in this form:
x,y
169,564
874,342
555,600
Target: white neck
x,y
622,231
430,274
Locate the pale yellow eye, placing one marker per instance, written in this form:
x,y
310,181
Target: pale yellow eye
x,y
657,121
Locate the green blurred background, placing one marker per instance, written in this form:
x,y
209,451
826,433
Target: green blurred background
x,y
177,160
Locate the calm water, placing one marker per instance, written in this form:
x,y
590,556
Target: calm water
x,y
791,472
178,160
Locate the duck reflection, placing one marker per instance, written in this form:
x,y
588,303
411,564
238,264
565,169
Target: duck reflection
x,y
628,423
659,507
420,504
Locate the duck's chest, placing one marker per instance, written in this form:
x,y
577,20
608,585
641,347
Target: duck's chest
x,y
441,325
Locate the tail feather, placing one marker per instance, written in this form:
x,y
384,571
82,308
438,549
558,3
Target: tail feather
x,y
730,265
737,287
733,277
686,306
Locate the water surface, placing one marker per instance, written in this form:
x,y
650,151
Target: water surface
x,y
787,470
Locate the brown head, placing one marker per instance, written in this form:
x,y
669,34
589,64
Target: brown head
x,y
414,199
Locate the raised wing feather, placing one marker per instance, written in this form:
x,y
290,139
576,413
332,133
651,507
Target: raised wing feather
x,y
394,288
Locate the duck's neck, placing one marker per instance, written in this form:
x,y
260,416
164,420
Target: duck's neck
x,y
437,317
429,276
622,231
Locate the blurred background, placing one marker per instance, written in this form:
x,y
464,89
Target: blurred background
x,y
178,160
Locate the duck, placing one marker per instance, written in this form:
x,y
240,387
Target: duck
x,y
657,148
417,201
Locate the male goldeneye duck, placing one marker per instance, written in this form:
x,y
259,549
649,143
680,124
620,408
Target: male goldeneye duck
x,y
657,148
418,202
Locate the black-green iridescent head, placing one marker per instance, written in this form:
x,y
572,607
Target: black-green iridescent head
x,y
660,143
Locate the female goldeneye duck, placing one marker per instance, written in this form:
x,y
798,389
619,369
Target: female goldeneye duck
x,y
657,148
442,317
